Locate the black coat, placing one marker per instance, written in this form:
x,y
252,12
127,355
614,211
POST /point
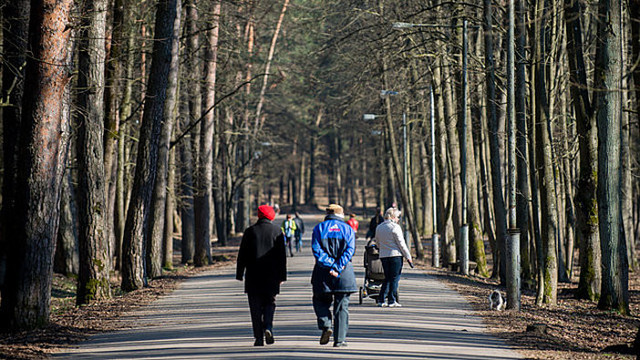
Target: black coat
x,y
373,224
262,255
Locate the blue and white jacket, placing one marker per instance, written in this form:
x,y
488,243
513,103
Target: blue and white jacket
x,y
333,244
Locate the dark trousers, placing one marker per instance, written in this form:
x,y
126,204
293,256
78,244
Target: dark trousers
x,y
392,267
322,303
289,240
262,307
298,243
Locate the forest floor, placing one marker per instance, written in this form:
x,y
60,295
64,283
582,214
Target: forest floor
x,y
575,329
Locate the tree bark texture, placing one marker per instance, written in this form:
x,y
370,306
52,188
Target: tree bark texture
x,y
586,205
147,158
523,192
93,278
170,207
157,219
42,157
615,270
186,202
494,146
548,210
203,199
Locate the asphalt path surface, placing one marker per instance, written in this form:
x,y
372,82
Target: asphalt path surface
x,y
207,317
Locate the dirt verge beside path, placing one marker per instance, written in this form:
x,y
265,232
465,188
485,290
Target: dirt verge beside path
x,y
71,324
575,329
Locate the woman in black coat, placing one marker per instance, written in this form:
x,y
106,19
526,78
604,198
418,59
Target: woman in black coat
x,y
263,262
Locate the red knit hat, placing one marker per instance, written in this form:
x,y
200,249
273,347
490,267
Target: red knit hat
x,y
267,212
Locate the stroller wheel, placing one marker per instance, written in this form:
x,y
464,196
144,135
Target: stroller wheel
x,y
360,295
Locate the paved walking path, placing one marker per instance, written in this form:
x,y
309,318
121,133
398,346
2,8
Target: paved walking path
x,y
208,318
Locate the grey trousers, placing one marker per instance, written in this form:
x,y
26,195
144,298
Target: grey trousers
x,y
321,306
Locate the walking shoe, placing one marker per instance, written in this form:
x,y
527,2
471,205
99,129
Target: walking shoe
x,y
258,342
326,336
383,304
395,304
268,337
340,344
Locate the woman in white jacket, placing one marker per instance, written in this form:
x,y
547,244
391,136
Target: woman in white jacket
x,y
393,249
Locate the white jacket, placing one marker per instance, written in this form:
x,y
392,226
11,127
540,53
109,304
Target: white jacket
x,y
390,240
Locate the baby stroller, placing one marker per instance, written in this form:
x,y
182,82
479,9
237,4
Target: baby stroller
x,y
373,273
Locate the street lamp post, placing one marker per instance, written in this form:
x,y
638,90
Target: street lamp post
x,y
464,228
405,167
435,237
513,248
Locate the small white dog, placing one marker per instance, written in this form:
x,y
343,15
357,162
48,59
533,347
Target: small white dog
x,y
496,301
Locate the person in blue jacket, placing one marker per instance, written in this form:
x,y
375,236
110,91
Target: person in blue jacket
x,y
333,280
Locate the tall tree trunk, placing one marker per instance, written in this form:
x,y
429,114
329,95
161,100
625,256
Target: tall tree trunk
x,y
570,222
535,194
186,202
476,238
453,147
615,271
194,64
157,219
170,208
586,205
487,196
93,278
41,154
220,167
313,144
15,23
203,199
116,35
523,193
408,211
123,129
494,143
443,188
136,226
544,163
634,13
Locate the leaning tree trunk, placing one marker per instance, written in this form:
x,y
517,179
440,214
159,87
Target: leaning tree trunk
x,y
147,158
42,151
615,271
157,218
585,201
